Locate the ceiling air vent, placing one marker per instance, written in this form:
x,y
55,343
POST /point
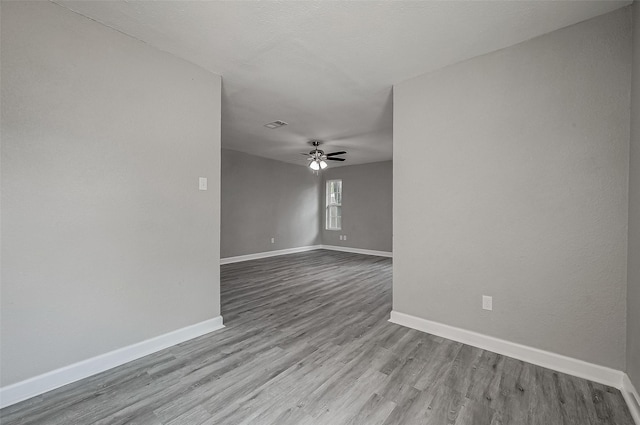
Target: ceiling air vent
x,y
275,124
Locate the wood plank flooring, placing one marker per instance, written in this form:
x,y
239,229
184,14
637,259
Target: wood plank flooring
x,y
308,342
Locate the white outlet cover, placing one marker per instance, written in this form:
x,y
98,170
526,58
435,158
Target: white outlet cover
x,y
344,237
487,302
340,237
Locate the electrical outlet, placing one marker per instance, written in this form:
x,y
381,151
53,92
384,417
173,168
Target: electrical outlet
x,y
340,237
344,237
487,302
273,240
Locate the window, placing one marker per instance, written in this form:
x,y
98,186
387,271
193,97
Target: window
x,y
334,204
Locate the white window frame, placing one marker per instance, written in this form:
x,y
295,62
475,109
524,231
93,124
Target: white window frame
x,y
332,204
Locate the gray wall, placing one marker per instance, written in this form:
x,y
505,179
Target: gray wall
x,y
106,240
263,198
633,296
367,206
510,180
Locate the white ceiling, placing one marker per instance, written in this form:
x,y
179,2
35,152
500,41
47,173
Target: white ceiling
x,y
327,68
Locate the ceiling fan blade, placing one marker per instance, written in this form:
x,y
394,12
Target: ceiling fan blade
x,y
336,153
336,159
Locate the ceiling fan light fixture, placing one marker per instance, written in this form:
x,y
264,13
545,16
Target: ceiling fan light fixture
x,y
318,159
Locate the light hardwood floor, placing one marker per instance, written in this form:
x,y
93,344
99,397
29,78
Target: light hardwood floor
x,y
308,342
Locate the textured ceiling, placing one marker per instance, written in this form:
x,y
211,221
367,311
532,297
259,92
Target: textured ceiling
x,y
327,68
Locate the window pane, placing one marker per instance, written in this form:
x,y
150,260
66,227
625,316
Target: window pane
x,y
333,206
334,192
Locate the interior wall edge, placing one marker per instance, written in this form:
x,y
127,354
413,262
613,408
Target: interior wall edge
x,y
633,240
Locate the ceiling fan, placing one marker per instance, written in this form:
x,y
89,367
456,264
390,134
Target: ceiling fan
x,y
317,158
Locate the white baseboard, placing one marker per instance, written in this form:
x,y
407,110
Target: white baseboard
x,y
357,250
632,397
40,384
266,254
258,255
557,362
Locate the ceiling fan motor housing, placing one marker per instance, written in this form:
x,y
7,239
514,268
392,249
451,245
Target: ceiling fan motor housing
x,y
319,155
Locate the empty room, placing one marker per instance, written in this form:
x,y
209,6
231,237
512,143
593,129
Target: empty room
x,y
320,212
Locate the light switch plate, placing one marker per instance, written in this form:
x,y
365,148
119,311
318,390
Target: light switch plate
x,y
487,302
202,183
